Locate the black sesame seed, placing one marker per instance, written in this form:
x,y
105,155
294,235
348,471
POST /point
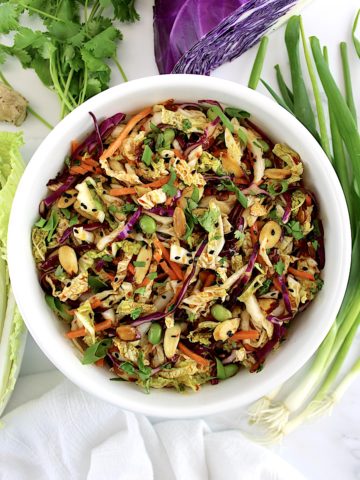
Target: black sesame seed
x,y
104,192
212,252
83,206
68,284
93,209
163,296
191,261
101,233
67,195
116,279
229,333
305,268
66,200
76,230
272,232
189,255
177,257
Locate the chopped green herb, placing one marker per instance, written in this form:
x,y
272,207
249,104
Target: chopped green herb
x,y
294,228
139,264
96,284
66,212
274,191
169,136
74,220
186,124
152,275
107,258
236,113
208,220
128,208
147,156
169,188
195,196
239,235
140,290
279,267
242,135
231,187
128,368
315,244
97,351
59,272
265,287
136,313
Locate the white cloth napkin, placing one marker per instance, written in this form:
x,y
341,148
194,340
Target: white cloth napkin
x,y
68,434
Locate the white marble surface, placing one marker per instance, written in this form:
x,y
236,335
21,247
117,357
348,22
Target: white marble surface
x,y
329,447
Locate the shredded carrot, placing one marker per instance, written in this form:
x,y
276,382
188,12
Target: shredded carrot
x,y
308,200
110,276
245,335
161,276
178,154
168,270
95,303
301,274
118,192
240,181
277,285
90,161
209,280
81,332
248,347
74,145
157,183
131,268
157,255
125,132
145,282
80,169
100,362
254,233
168,201
174,266
193,356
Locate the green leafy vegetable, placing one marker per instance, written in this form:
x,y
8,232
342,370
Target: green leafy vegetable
x,y
239,235
258,64
208,220
215,111
136,313
294,228
139,264
97,351
169,188
147,156
236,113
356,40
279,267
231,187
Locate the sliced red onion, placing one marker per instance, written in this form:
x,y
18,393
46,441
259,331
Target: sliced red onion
x,y
125,232
285,293
50,263
69,182
230,358
216,178
151,317
261,353
287,213
206,139
99,264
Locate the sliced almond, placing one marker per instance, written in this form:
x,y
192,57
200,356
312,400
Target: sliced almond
x,y
226,329
270,234
67,198
68,259
126,333
171,340
277,173
267,304
179,222
144,258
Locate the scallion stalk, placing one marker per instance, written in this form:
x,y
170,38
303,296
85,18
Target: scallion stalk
x,y
347,79
258,64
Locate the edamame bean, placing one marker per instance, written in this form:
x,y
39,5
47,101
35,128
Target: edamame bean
x,y
154,333
220,313
147,224
230,370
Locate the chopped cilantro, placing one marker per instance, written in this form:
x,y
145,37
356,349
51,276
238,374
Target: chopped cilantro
x,y
208,220
273,191
169,188
265,287
279,267
231,187
186,124
294,228
59,272
140,290
97,351
315,244
128,208
195,196
236,113
66,212
74,220
107,258
239,235
152,275
136,313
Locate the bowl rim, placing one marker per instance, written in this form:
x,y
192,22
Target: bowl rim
x,y
19,281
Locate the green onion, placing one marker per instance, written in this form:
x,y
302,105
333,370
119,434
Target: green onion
x,y
355,40
318,101
258,64
347,79
217,112
302,106
284,89
278,99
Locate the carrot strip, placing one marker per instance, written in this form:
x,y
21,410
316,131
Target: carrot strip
x,y
95,303
110,276
277,285
254,233
174,266
131,268
301,274
249,348
124,133
157,255
168,270
240,181
74,145
80,169
157,183
245,335
145,282
308,200
90,161
81,332
179,154
100,362
209,280
118,192
192,355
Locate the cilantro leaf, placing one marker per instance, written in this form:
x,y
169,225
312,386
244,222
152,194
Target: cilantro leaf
x,y
169,188
103,45
231,187
147,156
208,220
279,267
128,208
152,275
140,290
315,244
294,228
9,16
136,313
139,264
96,351
265,287
124,10
239,235
274,191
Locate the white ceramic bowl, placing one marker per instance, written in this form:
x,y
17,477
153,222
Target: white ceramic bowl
x,y
310,327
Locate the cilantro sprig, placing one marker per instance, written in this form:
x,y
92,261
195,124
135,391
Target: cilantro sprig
x,y
68,55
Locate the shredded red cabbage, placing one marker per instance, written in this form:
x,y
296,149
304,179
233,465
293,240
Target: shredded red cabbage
x,y
69,182
287,213
162,211
278,333
243,281
97,134
125,232
278,320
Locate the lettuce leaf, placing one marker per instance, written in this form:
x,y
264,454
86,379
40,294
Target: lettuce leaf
x,y
11,324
